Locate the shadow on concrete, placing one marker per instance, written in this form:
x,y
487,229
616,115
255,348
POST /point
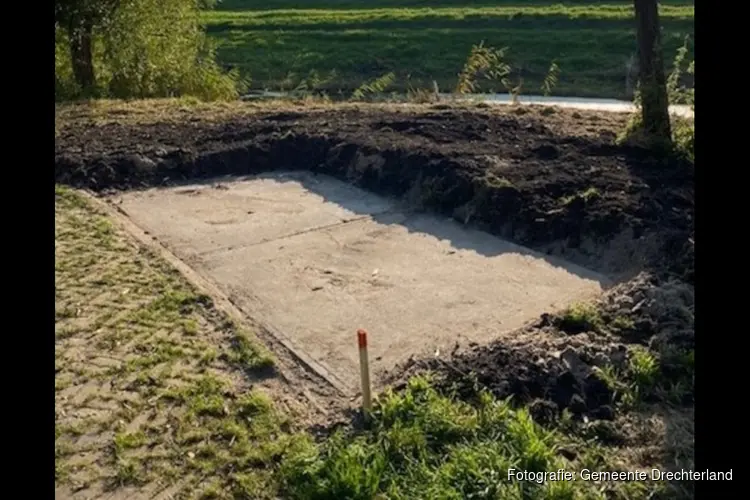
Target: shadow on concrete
x,y
389,211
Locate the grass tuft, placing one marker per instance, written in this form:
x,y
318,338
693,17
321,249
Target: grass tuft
x,y
128,441
586,195
643,369
249,354
581,317
128,472
374,87
623,323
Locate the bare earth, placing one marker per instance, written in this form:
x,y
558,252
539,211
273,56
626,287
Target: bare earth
x,y
318,259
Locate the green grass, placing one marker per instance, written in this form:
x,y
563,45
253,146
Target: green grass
x,y
248,354
280,43
581,317
425,445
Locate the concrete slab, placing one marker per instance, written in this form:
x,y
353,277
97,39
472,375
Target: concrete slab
x,y
202,217
318,259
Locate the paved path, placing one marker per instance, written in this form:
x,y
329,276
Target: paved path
x,y
590,103
612,105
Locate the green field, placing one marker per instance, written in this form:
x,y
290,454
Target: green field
x,y
281,42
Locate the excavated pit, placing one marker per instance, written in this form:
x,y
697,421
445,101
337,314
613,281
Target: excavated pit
x,y
318,258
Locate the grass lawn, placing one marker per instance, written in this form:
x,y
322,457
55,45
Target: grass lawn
x,y
349,42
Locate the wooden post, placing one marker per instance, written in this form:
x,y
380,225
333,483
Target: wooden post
x,y
364,367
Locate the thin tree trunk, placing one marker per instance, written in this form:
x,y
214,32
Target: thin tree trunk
x,y
81,53
653,82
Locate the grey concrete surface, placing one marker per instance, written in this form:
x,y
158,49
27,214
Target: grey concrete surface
x,y
318,259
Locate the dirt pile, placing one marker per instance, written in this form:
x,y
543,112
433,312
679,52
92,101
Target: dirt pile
x,y
564,362
551,375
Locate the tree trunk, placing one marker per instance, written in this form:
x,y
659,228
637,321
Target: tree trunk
x,y
653,83
82,55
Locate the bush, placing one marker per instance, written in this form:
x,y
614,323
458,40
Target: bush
x,y
150,48
684,138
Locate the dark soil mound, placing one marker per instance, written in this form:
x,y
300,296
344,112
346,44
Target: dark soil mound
x,y
554,368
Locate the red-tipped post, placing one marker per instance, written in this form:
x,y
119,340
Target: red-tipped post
x,y
364,367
